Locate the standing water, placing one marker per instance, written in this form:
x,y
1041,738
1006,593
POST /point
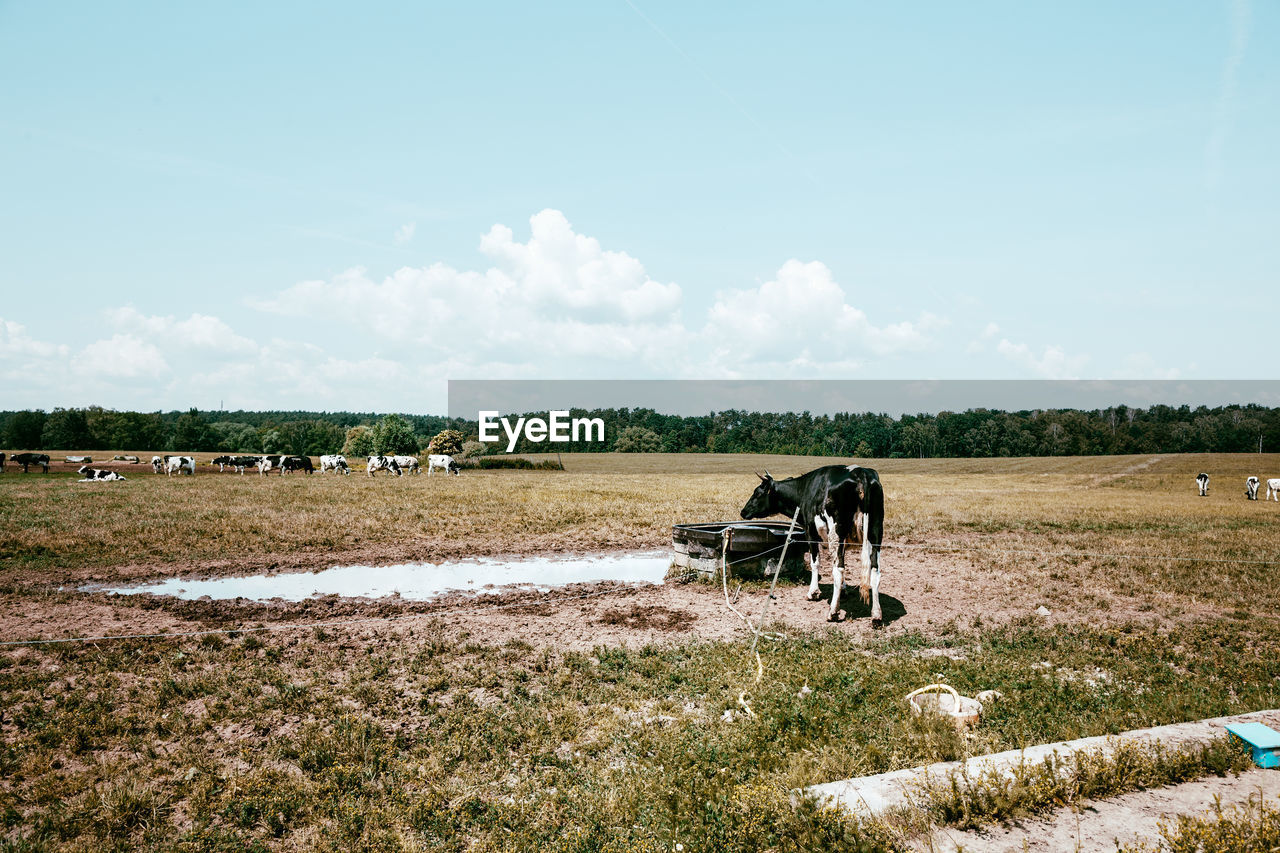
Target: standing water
x,y
418,581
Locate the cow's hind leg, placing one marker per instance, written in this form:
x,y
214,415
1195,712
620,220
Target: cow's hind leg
x,y
871,571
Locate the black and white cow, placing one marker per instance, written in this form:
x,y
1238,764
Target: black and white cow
x,y
91,475
335,462
157,464
1273,489
26,460
223,462
1251,488
239,463
439,460
840,505
266,463
296,463
1202,480
408,464
382,463
80,460
179,465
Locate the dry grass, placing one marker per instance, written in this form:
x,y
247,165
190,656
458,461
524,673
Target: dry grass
x,y
390,738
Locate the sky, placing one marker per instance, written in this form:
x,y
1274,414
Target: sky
x,y
315,206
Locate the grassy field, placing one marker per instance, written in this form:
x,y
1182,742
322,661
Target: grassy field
x,y
417,737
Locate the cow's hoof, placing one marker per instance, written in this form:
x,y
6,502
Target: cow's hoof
x,y
877,623
814,595
838,616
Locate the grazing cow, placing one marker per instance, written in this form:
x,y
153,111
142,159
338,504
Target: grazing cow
x,y
408,464
296,463
2,458
91,475
1273,489
26,460
336,462
239,463
1251,488
179,465
839,505
221,461
439,460
1202,480
157,464
383,463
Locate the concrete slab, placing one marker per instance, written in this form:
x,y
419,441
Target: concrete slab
x,y
873,795
1105,824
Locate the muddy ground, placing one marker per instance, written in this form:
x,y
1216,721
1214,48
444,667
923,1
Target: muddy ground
x,y
920,591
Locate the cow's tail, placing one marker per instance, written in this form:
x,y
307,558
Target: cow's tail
x,y
872,534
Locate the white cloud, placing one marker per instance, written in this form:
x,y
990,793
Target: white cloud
x,y
16,344
557,304
404,234
199,331
979,344
120,357
802,319
1052,363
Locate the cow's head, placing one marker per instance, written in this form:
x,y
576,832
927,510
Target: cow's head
x,y
764,500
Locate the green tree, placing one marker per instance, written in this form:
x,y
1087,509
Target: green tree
x,y
449,442
272,441
67,429
235,437
635,439
359,442
393,435
24,430
192,433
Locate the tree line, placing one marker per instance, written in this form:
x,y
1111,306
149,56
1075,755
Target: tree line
x,y
973,433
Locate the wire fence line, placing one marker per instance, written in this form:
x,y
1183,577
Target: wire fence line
x,y
939,548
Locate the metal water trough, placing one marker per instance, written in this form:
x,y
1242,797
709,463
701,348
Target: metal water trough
x,y
754,548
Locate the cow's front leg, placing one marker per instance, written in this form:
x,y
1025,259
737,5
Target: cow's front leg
x,y
871,570
837,582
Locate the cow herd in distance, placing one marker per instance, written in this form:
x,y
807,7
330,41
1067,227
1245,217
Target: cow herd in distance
x,y
170,465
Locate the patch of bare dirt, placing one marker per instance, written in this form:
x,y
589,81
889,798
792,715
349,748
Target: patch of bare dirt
x,y
920,591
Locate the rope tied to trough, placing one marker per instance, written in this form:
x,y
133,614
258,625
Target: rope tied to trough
x,y
756,630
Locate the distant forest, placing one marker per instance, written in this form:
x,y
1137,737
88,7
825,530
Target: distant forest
x,y
974,433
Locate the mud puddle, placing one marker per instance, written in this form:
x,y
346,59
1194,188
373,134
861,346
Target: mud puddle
x,y
416,581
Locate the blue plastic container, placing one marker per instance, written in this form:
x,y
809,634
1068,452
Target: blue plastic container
x,y
1261,740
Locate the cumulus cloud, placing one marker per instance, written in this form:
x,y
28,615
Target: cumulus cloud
x,y
803,319
199,331
120,357
554,303
1052,363
17,344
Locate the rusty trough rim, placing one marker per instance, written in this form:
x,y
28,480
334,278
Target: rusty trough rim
x,y
747,535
